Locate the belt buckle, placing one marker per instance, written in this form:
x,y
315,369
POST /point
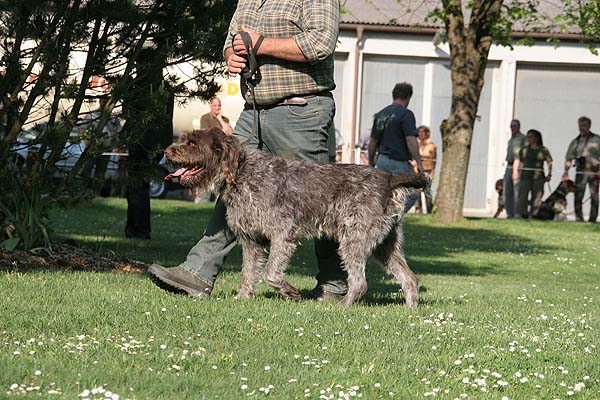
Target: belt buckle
x,y
294,101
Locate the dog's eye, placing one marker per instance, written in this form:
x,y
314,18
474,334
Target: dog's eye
x,y
192,143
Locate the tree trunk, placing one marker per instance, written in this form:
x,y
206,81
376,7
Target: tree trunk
x,y
469,49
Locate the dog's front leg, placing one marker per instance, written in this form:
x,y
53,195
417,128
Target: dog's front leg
x,y
280,253
253,255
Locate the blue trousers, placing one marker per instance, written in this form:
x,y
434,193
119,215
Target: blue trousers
x,y
386,164
288,131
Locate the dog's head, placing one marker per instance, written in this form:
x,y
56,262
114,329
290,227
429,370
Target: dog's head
x,y
205,157
500,186
567,186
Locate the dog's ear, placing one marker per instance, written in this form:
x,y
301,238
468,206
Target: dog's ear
x,y
230,154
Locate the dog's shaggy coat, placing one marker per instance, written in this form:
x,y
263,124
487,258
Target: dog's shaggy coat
x,y
272,202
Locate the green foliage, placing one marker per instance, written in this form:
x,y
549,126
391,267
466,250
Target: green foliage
x,y
585,17
25,224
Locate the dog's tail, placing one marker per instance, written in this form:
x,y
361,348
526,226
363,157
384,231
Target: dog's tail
x,y
415,181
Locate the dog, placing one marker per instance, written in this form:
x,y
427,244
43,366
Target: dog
x,y
272,202
554,206
500,190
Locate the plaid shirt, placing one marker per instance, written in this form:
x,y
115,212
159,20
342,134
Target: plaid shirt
x,y
314,25
590,150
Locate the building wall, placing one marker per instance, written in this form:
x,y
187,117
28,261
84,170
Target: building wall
x,y
546,87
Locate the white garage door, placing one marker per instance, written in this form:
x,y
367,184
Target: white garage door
x,y
550,99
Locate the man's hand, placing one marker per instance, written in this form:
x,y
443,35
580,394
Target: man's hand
x,y
235,63
238,44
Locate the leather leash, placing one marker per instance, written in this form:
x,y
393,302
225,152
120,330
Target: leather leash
x,y
249,74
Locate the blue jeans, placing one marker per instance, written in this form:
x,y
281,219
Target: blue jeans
x,y
287,131
386,164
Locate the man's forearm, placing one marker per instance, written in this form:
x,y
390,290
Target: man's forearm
x,y
284,49
372,151
413,149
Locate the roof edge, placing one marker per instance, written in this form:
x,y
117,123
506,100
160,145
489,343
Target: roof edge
x,y
432,31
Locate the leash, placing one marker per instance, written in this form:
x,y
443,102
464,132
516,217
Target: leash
x,y
249,74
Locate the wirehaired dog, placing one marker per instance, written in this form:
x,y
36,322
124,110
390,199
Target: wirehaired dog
x,y
500,190
554,206
272,202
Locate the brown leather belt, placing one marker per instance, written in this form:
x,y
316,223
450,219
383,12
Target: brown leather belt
x,y
292,101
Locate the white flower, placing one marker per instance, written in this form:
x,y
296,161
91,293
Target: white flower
x,y
37,373
579,386
244,387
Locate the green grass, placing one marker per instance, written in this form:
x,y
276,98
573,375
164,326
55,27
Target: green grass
x,y
509,309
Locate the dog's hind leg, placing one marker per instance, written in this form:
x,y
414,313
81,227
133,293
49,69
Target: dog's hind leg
x,y
280,254
354,257
390,255
253,257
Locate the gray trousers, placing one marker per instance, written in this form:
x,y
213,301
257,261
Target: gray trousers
x,y
583,179
511,192
288,131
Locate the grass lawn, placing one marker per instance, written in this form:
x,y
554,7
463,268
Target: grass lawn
x,y
509,310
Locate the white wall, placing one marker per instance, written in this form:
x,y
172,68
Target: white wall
x,y
570,61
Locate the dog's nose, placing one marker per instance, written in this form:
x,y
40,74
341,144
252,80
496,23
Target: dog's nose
x,y
168,151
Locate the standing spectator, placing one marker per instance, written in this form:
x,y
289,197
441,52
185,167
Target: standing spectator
x,y
291,92
394,138
148,111
428,154
511,186
215,119
528,169
212,119
585,150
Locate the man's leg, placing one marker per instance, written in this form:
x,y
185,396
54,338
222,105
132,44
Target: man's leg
x,y
303,132
580,183
388,165
509,193
197,274
594,185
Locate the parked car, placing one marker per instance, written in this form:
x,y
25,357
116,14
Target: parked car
x,y
71,153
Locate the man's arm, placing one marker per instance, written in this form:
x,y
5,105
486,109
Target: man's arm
x,y
225,125
568,164
515,173
434,155
315,43
373,145
571,154
413,148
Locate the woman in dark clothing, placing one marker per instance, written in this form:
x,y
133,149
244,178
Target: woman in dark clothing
x,y
528,170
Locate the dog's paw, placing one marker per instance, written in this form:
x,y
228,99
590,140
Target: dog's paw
x,y
243,296
288,291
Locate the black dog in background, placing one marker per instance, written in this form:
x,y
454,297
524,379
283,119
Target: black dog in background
x,y
553,207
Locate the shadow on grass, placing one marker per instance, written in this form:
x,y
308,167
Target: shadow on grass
x,y
431,248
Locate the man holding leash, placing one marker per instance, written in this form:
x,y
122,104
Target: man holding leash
x,y
585,150
284,52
